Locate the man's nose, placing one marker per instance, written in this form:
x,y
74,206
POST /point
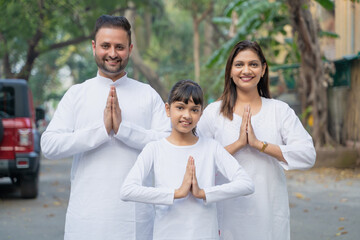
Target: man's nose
x,y
112,52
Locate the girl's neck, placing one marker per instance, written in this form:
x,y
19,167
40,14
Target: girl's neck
x,y
182,139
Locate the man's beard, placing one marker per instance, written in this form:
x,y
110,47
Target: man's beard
x,y
111,71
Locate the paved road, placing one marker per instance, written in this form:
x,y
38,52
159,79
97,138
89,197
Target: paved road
x,y
324,204
37,219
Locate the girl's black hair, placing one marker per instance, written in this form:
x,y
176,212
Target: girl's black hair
x,y
185,90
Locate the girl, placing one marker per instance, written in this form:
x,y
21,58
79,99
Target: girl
x,y
266,137
185,196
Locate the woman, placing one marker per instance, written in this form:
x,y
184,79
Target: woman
x,y
266,137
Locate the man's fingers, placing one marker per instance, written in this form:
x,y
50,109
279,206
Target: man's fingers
x,y
115,96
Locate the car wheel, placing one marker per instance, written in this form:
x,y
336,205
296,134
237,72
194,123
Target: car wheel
x,y
29,185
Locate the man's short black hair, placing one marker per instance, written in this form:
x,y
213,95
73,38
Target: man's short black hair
x,y
107,21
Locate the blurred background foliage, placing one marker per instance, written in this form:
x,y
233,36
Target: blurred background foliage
x,y
48,42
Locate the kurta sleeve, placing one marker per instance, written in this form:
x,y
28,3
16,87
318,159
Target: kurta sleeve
x,y
136,136
298,147
205,125
133,189
60,140
240,183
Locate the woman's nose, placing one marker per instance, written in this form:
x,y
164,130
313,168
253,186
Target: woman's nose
x,y
246,68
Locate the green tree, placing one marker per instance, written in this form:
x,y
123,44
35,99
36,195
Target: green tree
x,y
263,21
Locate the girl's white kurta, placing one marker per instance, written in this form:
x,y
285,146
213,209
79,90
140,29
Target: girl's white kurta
x,y
263,215
101,162
187,218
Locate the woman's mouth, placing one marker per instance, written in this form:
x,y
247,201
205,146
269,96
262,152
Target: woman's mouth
x,y
246,78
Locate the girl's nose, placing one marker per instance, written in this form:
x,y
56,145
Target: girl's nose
x,y
186,114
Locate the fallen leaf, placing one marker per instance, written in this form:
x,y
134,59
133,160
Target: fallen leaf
x,y
341,228
292,205
341,233
56,203
344,200
341,219
306,210
45,206
299,195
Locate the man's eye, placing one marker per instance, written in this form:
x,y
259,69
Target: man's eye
x,y
119,47
105,46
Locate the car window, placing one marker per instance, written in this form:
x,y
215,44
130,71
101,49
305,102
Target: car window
x,y
7,102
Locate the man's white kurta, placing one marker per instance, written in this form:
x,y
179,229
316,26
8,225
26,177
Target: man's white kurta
x,y
187,218
101,162
263,215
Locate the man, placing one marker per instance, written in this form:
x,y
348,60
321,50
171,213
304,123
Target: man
x,y
104,123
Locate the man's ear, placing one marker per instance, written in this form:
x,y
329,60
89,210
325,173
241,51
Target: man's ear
x,y
93,46
167,109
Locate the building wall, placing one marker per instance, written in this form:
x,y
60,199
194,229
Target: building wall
x,y
347,26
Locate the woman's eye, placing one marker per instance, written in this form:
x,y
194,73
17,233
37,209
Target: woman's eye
x,y
254,64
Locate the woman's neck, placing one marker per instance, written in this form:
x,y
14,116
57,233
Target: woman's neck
x,y
182,139
247,98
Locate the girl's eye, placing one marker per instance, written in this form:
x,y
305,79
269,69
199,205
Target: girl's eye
x,y
180,108
196,110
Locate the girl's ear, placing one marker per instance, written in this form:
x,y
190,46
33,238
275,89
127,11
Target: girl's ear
x,y
167,109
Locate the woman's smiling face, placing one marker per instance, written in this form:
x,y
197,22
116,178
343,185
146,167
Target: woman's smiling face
x,y
247,70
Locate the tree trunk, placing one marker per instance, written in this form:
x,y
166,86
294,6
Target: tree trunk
x,y
313,87
151,76
196,49
196,38
209,37
352,116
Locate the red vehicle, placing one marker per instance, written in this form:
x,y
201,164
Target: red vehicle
x,y
19,137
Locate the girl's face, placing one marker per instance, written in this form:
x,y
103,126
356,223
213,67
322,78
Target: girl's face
x,y
247,70
184,117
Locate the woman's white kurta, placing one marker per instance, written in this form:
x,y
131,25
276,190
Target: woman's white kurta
x,y
187,218
263,215
101,162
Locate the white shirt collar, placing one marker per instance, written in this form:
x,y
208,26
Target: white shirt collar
x,y
110,82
